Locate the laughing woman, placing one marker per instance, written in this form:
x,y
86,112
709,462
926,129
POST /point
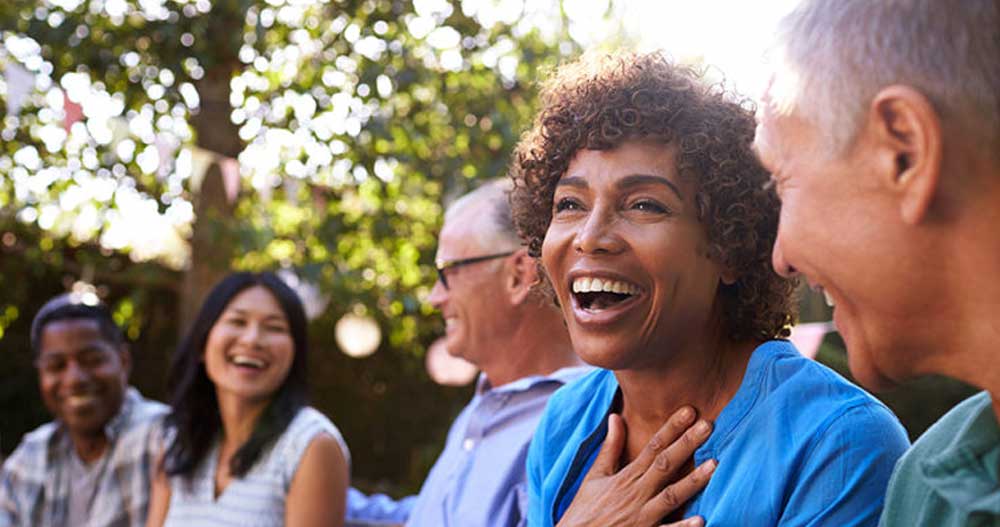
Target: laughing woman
x,y
638,190
244,448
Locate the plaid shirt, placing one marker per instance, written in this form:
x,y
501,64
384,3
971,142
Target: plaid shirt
x,y
34,486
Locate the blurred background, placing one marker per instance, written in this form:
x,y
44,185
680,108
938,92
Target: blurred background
x,y
147,147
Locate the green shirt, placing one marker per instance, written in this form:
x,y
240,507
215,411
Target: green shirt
x,y
951,476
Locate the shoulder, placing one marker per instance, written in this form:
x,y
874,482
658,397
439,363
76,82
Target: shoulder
x,y
580,392
308,426
589,394
948,429
30,456
145,425
818,404
811,388
324,450
309,421
575,410
910,494
144,409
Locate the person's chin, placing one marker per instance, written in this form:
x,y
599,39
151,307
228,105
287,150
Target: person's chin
x,y
85,426
607,355
865,371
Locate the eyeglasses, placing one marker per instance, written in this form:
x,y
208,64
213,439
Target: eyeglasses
x,y
444,265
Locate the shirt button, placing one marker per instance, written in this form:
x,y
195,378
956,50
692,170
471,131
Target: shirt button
x,y
468,443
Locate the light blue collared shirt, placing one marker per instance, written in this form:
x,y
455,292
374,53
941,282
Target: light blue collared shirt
x,y
479,479
798,445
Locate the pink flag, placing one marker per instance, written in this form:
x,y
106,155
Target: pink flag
x,y
808,337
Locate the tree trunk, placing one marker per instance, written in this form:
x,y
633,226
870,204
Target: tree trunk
x,y
213,240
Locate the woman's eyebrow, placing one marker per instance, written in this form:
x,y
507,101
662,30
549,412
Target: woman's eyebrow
x,y
572,181
633,180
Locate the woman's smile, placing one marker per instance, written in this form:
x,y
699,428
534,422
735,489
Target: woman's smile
x,y
599,298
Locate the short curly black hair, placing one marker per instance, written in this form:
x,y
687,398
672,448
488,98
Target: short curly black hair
x,y
601,102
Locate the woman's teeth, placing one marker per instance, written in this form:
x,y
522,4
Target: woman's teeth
x,y
243,360
597,285
828,297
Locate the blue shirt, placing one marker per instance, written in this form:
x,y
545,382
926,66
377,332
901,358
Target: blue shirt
x,y
797,445
479,479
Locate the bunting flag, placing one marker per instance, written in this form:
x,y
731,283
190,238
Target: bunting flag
x,y
72,112
202,159
808,337
20,83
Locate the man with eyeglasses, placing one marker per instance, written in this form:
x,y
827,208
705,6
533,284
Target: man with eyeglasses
x,y
90,466
495,318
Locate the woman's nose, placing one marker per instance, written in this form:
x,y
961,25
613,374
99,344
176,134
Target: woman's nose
x,y
598,234
250,335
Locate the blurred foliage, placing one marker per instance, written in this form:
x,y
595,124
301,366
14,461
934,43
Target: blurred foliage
x,y
352,120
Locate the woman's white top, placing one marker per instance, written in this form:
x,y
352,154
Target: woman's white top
x,y
258,498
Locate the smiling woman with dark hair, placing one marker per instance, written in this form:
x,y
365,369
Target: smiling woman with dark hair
x,y
244,447
638,191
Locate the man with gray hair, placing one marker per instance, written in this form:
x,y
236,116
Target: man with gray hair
x,y
882,129
495,319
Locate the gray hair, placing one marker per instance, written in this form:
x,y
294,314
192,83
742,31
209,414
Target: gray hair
x,y
838,54
495,194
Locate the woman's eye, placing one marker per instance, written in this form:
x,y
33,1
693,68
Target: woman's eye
x,y
567,204
277,329
646,205
238,322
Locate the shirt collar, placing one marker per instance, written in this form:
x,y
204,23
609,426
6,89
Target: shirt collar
x,y
561,376
967,470
119,422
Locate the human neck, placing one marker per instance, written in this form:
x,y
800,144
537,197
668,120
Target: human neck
x,y
89,447
705,377
539,345
238,417
964,343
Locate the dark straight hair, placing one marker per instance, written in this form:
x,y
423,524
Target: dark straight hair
x,y
194,414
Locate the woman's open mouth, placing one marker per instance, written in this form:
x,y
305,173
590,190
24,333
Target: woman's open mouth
x,y
597,295
246,362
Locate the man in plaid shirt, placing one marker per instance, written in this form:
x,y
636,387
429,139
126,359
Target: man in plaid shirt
x,y
91,465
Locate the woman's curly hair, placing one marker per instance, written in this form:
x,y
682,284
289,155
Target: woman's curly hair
x,y
600,102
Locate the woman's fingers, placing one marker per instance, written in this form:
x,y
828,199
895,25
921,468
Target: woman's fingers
x,y
606,462
673,496
663,439
670,460
696,521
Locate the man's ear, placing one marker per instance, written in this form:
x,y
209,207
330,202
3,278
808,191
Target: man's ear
x,y
522,277
908,131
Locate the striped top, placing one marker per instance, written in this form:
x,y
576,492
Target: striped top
x,y
258,498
